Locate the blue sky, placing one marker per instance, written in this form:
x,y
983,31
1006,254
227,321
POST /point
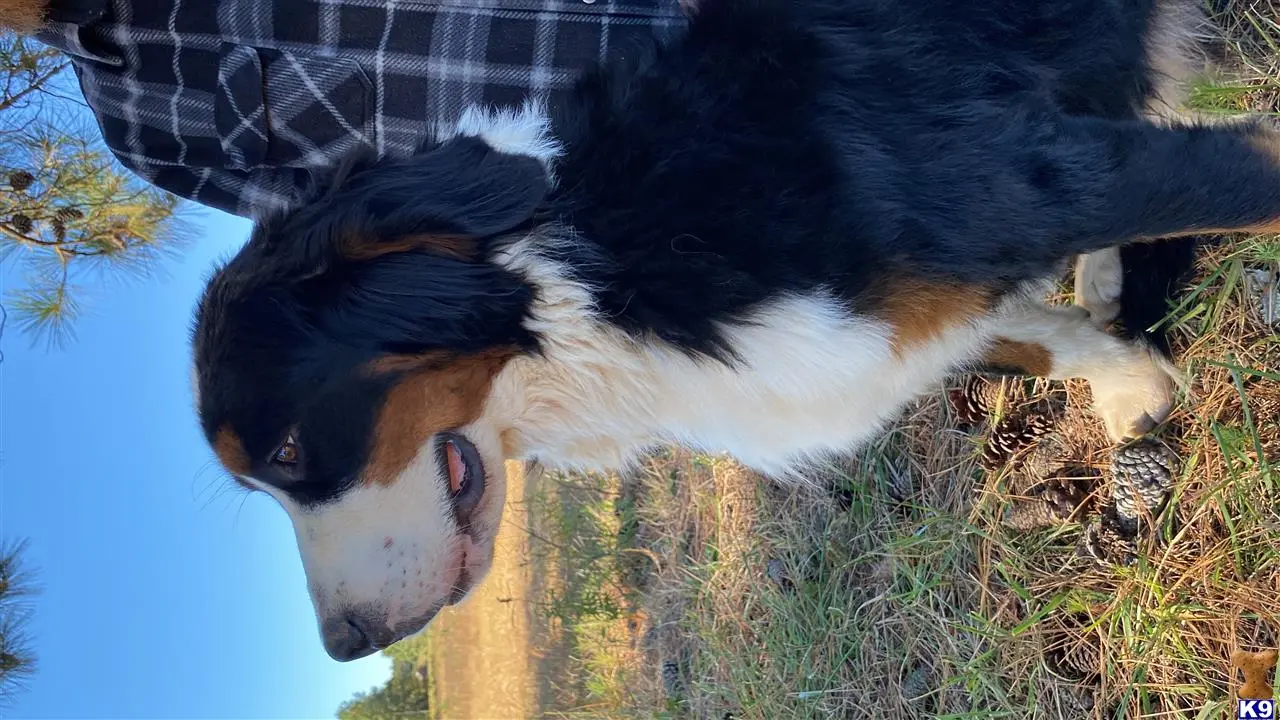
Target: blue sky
x,y
166,592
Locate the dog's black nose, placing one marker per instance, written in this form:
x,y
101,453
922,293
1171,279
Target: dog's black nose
x,y
352,635
346,637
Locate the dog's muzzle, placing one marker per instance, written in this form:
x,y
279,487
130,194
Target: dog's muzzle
x,y
353,634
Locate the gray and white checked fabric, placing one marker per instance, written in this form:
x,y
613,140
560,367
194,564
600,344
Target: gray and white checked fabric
x,y
232,102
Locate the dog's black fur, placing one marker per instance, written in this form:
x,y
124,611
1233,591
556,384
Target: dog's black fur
x,y
1154,274
787,145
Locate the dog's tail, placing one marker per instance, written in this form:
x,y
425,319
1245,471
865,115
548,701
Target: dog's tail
x,y
23,17
1155,277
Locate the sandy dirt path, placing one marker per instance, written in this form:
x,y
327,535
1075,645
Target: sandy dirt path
x,y
480,651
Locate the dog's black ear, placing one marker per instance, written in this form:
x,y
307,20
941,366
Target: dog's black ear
x,y
389,258
418,301
462,188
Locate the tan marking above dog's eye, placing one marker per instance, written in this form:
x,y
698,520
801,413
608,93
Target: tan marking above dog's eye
x,y
287,453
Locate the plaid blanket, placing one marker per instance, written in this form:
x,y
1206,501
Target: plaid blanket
x,y
232,103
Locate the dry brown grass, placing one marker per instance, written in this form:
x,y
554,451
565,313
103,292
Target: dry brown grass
x,y
1250,54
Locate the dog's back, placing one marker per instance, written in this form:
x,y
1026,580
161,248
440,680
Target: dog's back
x,y
795,143
1092,57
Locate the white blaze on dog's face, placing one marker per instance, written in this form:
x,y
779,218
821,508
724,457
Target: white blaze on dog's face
x,y
344,359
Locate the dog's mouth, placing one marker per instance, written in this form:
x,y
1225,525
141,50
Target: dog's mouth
x,y
461,587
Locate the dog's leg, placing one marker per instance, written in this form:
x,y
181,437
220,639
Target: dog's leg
x,y
1151,182
1099,279
1133,386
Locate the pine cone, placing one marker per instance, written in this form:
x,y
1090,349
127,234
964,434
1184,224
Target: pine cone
x,y
1074,653
22,223
974,401
1142,476
1012,436
67,214
1060,498
1104,542
20,180
1072,650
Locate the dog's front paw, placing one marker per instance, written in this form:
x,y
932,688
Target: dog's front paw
x,y
1098,284
1135,397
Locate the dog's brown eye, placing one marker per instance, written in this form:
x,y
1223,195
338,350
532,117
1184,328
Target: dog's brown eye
x,y
287,453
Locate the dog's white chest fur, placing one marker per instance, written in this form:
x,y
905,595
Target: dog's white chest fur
x,y
811,381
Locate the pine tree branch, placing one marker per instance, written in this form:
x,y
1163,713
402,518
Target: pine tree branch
x,y
21,238
27,123
35,85
72,247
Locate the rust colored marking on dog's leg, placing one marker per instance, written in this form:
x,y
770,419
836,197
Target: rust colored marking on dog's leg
x,y
1019,358
919,311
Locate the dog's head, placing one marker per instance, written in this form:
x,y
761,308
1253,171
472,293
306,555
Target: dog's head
x,y
343,362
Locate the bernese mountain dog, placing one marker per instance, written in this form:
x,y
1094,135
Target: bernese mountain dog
x,y
763,239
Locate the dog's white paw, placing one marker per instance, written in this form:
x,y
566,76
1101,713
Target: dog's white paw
x,y
1098,284
1135,397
